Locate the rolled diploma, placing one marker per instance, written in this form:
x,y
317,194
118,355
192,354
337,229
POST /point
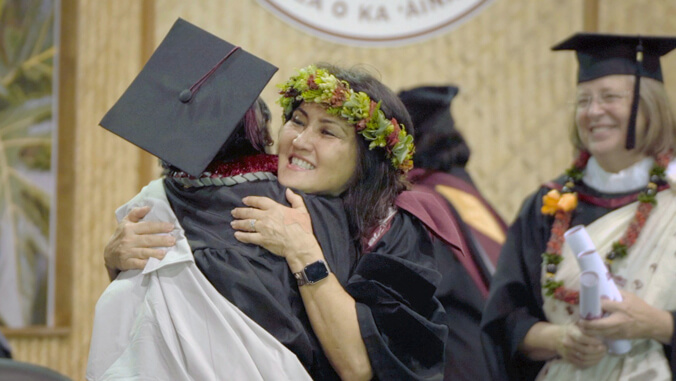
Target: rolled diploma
x,y
590,296
589,260
578,239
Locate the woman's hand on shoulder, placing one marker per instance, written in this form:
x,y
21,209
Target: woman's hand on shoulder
x,y
284,231
134,241
632,318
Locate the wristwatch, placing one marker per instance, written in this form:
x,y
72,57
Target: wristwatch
x,y
312,273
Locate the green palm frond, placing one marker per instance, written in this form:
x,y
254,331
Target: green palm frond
x,y
26,133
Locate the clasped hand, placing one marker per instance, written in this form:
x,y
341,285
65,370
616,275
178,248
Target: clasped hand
x,y
284,231
134,241
632,318
578,348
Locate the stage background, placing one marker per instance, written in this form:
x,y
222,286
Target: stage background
x,y
514,110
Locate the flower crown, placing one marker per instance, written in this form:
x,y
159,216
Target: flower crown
x,y
318,85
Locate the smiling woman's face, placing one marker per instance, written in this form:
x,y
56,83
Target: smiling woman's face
x,y
602,117
317,151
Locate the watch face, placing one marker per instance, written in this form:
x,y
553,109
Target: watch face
x,y
316,271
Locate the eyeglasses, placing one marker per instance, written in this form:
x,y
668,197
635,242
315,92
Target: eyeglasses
x,y
606,98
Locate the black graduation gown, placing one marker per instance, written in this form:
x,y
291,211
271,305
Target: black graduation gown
x,y
396,309
459,292
515,301
463,304
401,321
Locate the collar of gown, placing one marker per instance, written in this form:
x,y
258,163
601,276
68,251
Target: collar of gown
x,y
632,178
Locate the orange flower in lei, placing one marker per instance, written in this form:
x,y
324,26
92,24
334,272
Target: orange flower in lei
x,y
554,204
554,201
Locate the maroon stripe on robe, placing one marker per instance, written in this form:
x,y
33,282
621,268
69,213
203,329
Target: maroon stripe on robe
x,y
433,210
609,203
433,178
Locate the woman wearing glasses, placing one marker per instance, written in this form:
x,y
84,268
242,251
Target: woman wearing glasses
x,y
621,187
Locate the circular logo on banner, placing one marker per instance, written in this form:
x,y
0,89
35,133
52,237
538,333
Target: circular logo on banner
x,y
374,22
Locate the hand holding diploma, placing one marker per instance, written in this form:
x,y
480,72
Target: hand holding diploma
x,y
589,260
632,318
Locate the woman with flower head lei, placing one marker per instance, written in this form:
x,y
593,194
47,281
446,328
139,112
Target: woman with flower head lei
x,y
345,136
621,187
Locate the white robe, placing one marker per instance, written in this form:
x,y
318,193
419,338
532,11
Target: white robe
x,y
649,271
168,322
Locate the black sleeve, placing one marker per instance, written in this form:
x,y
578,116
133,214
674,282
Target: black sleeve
x,y
401,321
5,351
514,303
670,350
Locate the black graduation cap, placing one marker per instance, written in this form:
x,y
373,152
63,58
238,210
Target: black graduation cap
x,y
189,97
600,55
436,138
430,107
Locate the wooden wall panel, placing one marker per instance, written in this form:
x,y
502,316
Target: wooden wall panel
x,y
514,92
103,166
634,17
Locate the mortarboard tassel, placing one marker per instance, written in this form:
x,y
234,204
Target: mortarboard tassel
x,y
186,95
631,128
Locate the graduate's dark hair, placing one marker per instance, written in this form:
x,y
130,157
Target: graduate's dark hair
x,y
251,134
438,144
440,151
250,137
375,184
